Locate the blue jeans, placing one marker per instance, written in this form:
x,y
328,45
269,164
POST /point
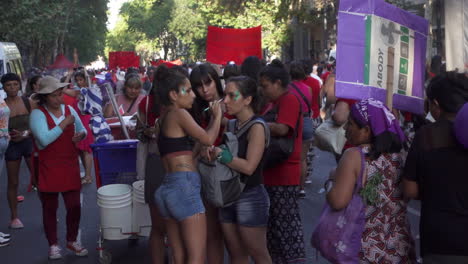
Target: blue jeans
x,y
179,195
251,210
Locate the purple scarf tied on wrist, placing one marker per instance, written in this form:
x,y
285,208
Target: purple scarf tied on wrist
x,y
376,115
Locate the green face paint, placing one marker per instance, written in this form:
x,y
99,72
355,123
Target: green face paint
x,y
237,95
183,91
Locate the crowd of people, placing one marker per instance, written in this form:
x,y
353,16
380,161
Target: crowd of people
x,y
183,113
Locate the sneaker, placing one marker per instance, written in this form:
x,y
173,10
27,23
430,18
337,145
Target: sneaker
x,y
16,224
4,242
20,198
76,248
302,194
6,236
54,252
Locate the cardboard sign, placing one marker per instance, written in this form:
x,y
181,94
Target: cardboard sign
x,y
381,51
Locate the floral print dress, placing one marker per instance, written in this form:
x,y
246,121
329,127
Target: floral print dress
x,y
386,237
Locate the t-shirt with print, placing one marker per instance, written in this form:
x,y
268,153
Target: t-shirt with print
x,y
287,172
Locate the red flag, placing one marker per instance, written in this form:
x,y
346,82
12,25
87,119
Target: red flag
x,y
123,59
169,64
228,44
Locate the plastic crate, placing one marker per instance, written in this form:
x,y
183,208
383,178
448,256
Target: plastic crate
x,y
115,162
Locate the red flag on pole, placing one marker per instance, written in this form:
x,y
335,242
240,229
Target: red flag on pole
x,y
123,59
229,44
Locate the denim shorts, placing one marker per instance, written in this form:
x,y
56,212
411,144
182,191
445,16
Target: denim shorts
x,y
17,150
307,129
179,195
251,210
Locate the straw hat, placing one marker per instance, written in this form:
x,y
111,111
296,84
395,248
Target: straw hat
x,y
49,85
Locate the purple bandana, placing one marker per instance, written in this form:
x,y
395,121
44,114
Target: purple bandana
x,y
376,115
461,126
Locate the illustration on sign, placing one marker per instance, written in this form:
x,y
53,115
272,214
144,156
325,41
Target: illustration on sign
x,y
384,36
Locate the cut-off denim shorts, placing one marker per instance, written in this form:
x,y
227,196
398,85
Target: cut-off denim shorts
x,y
179,195
251,210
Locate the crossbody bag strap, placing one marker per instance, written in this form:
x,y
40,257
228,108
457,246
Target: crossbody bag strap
x,y
303,96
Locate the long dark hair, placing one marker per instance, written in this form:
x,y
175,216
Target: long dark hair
x,y
247,87
31,81
165,81
386,142
276,71
203,74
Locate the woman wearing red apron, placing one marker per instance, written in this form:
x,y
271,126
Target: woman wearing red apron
x,y
56,129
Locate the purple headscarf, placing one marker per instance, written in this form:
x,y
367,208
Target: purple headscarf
x,y
461,126
376,115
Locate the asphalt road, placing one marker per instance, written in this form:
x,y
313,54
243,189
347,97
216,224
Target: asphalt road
x,y
30,246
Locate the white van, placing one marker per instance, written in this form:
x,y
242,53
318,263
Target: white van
x,y
10,61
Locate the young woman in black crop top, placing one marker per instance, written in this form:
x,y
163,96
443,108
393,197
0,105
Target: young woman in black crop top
x,y
178,198
245,222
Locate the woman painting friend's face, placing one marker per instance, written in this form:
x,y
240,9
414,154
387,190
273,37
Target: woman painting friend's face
x,y
186,96
208,90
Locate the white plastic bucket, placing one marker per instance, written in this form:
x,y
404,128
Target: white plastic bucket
x,y
141,218
115,207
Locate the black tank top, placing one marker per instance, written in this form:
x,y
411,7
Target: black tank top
x,y
257,177
168,145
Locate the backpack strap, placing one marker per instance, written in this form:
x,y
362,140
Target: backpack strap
x,y
252,122
231,125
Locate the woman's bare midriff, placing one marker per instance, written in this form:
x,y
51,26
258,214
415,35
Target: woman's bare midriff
x,y
175,163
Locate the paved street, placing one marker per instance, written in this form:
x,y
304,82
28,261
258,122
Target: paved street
x,y
30,246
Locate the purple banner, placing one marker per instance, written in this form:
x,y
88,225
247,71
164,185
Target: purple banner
x,y
356,74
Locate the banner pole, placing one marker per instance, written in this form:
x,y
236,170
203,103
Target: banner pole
x,y
390,70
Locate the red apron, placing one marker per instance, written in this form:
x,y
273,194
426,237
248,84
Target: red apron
x,y
59,168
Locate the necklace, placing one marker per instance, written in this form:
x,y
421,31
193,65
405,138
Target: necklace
x,y
241,124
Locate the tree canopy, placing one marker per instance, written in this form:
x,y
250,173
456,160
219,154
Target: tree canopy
x,y
44,28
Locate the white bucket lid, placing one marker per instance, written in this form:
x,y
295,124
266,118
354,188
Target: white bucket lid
x,y
139,186
114,190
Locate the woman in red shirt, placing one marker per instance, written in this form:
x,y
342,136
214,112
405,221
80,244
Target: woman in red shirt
x,y
285,236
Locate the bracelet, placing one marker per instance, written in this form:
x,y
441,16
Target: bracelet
x,y
225,156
